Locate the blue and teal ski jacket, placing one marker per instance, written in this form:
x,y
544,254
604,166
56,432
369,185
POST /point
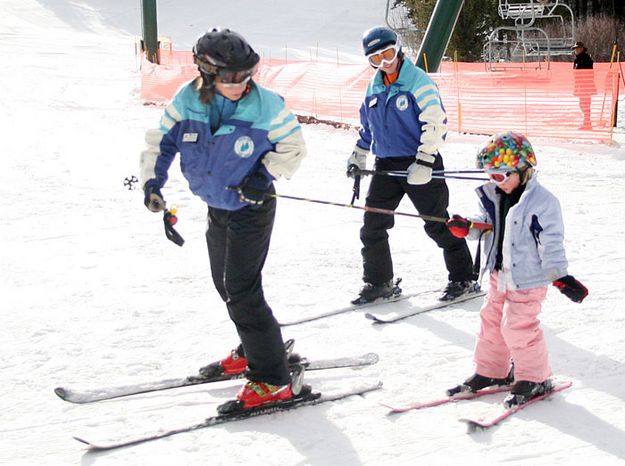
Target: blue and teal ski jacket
x,y
261,134
404,118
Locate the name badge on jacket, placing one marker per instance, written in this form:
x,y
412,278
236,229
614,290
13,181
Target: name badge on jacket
x,y
373,102
189,137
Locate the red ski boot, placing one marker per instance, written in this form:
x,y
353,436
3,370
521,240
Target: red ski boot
x,y
256,394
236,363
233,364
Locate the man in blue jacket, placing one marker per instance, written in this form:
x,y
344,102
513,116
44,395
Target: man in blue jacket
x,y
403,124
234,138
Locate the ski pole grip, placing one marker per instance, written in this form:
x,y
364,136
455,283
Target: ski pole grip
x,y
481,226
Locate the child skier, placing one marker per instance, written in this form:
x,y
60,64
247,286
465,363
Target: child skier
x,y
524,253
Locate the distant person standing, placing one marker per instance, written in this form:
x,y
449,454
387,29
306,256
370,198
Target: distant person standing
x,y
583,60
584,83
404,124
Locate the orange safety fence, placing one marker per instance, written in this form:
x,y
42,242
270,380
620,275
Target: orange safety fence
x,y
558,102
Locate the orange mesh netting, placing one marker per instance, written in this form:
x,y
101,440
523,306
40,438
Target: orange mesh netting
x,y
557,103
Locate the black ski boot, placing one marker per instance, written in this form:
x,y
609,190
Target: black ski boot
x,y
523,391
478,382
454,290
370,292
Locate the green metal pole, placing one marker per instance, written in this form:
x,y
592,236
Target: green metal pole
x,y
438,33
150,30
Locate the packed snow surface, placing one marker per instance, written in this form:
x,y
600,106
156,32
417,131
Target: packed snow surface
x,y
94,295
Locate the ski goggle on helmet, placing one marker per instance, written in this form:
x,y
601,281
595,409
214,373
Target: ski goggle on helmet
x,y
235,78
381,45
504,154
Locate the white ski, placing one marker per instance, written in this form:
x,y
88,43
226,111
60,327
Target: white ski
x,y
387,318
356,307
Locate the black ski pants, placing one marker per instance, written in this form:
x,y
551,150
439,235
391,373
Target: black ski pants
x,y
238,242
386,192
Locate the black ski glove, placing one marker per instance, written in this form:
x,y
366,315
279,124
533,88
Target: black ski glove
x,y
153,199
571,288
254,188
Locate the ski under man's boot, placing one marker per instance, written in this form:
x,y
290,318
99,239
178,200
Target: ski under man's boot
x,y
256,394
523,391
236,363
454,290
370,292
478,382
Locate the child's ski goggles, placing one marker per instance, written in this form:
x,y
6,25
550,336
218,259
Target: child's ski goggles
x,y
500,177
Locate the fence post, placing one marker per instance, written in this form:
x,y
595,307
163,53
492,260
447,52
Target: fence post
x,y
150,30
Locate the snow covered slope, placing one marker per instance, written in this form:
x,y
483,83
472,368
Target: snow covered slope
x,y
94,295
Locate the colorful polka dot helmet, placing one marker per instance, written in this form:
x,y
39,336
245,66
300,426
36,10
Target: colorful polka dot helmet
x,y
505,152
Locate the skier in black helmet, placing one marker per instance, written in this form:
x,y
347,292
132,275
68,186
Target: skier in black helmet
x,y
404,124
234,138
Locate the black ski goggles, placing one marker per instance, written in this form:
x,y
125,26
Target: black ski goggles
x,y
225,76
234,78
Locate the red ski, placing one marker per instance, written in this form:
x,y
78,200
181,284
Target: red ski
x,y
486,422
458,397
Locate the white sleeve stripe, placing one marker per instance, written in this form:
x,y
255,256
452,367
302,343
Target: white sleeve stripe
x,y
172,111
168,122
171,116
428,100
423,89
281,117
281,132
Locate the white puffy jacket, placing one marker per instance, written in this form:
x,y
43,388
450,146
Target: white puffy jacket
x,y
533,242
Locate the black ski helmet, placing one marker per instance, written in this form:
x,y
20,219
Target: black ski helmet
x,y
223,50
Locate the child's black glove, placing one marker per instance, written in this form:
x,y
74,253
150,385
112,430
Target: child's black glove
x,y
571,288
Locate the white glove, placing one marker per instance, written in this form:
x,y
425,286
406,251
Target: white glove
x,y
420,172
358,159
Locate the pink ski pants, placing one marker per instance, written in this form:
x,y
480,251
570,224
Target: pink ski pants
x,y
510,329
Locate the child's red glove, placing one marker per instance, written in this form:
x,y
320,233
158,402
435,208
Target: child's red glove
x,y
458,226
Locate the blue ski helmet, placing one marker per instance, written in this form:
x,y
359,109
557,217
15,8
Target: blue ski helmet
x,y
377,38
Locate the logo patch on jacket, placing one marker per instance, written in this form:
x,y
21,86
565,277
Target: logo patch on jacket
x,y
244,146
189,137
401,103
536,229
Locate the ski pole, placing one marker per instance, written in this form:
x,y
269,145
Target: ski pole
x,y
437,174
455,177
356,189
429,218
